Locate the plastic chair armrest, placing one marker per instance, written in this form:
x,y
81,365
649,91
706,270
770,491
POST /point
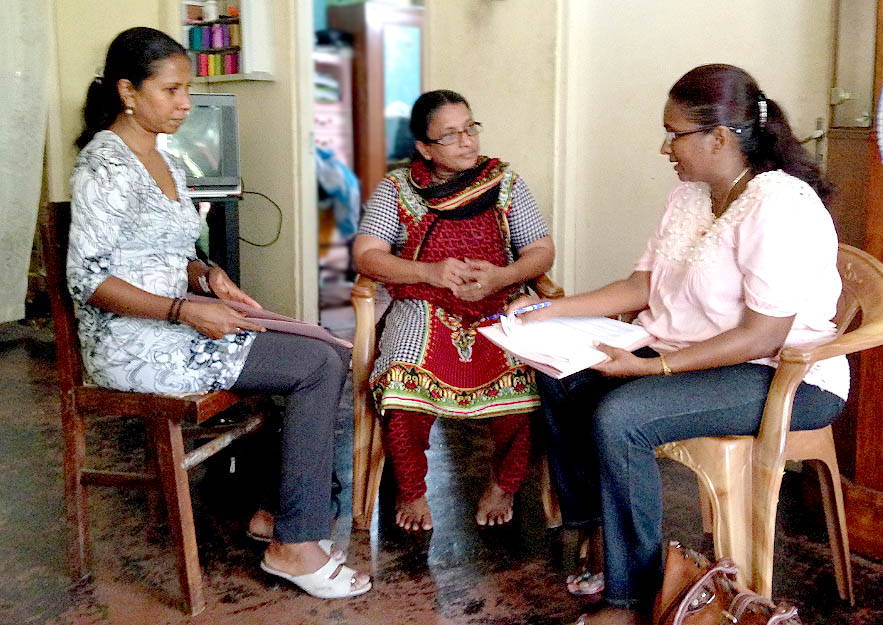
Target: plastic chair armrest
x,y
544,286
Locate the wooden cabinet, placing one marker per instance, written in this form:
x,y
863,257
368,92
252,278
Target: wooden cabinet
x,y
854,165
387,78
333,108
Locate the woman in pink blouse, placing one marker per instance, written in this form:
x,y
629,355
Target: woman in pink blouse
x,y
742,264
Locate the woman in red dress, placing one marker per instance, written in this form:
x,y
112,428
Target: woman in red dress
x,y
454,237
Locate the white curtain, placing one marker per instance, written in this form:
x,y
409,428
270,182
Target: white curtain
x,y
24,55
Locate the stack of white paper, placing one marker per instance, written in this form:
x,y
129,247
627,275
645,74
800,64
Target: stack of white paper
x,y
562,346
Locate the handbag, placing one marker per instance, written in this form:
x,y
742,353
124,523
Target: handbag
x,y
696,592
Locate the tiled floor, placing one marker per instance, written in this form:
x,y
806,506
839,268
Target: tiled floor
x,y
457,574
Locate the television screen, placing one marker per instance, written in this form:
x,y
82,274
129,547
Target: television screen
x,y
207,144
198,142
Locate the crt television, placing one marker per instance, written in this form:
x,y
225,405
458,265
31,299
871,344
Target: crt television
x,y
207,144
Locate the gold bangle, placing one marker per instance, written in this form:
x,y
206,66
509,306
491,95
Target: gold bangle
x,y
666,370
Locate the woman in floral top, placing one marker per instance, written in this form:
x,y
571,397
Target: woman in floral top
x,y
132,259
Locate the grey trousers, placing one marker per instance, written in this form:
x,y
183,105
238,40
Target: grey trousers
x,y
310,374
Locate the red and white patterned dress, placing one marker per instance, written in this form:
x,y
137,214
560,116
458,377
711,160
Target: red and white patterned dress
x,y
432,359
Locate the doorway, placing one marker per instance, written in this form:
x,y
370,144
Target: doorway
x,y
368,60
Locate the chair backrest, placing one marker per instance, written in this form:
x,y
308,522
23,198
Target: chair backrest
x,y
862,277
54,232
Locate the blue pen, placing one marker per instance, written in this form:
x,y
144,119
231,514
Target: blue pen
x,y
520,311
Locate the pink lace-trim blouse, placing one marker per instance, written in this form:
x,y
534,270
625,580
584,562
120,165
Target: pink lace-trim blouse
x,y
773,250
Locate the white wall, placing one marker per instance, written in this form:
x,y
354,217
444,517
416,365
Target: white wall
x,y
572,92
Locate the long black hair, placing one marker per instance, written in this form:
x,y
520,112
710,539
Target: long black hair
x,y
133,55
725,95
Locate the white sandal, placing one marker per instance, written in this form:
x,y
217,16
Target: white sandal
x,y
321,584
326,544
586,584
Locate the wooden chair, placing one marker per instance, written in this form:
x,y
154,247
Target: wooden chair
x,y
163,416
740,476
368,456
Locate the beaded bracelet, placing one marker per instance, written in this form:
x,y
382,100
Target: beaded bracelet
x,y
174,310
171,309
182,301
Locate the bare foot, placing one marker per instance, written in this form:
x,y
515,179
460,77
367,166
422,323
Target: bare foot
x,y
495,506
414,515
305,558
260,527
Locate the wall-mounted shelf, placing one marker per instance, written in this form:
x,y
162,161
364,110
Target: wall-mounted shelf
x,y
235,47
202,80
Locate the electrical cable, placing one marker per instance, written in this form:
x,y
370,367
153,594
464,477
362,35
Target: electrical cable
x,y
278,209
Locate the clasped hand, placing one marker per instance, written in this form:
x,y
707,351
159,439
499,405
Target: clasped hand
x,y
470,280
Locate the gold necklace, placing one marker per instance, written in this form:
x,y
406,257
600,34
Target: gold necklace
x,y
730,190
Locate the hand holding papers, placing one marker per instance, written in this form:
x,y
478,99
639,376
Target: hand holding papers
x,y
562,346
275,321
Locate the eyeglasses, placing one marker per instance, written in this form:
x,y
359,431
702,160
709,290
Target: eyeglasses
x,y
671,135
450,138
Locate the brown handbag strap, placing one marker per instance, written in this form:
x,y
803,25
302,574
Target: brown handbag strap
x,y
722,566
744,600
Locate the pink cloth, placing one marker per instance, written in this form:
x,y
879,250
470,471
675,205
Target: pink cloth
x,y
774,250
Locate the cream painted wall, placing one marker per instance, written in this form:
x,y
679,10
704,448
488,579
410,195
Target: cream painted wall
x,y
630,57
572,95
83,30
501,57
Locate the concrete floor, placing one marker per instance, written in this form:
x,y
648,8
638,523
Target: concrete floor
x,y
456,574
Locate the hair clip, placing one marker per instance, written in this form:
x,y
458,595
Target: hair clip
x,y
761,108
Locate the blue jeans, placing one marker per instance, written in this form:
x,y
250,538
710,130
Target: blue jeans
x,y
601,433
